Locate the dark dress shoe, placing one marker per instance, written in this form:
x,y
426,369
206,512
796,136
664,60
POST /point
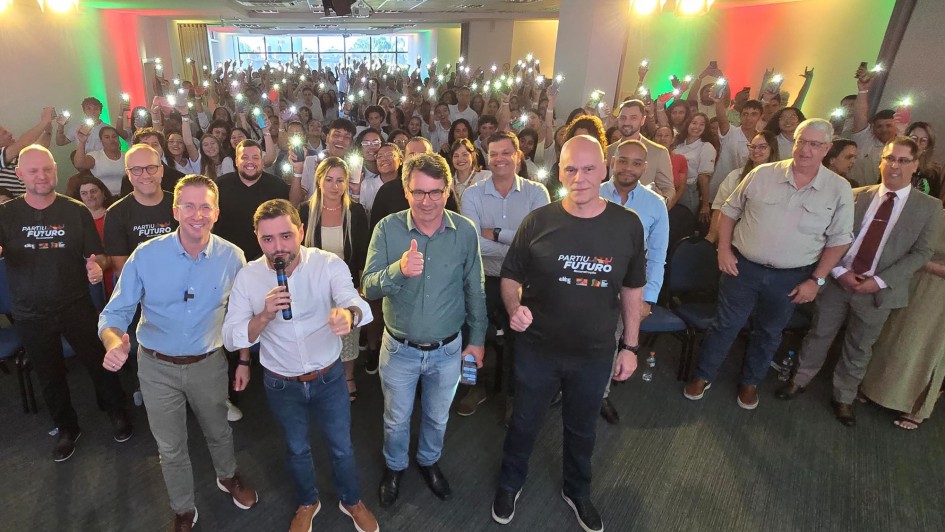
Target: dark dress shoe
x,y
789,391
65,446
390,487
608,412
437,482
122,424
844,413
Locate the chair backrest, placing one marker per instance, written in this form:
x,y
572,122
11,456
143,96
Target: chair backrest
x,y
6,299
693,267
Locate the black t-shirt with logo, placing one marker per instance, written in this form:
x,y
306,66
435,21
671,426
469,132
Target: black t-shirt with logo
x,y
572,270
129,223
238,203
45,252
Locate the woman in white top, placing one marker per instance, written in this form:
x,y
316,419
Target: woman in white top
x,y
183,152
107,164
699,146
466,168
783,124
213,163
762,149
336,224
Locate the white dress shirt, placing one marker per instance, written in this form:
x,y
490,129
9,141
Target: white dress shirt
x,y
305,343
902,195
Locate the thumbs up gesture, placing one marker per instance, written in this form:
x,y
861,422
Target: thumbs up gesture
x,y
411,263
116,357
93,270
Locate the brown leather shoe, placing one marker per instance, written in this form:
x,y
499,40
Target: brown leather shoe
x,y
244,496
302,522
844,413
185,522
789,391
364,520
696,388
747,396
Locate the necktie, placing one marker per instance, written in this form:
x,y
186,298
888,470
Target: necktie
x,y
865,256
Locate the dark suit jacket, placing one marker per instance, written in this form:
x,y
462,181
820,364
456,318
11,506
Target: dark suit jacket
x,y
356,244
909,246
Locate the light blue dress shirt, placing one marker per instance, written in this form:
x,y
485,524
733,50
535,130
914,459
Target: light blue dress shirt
x,y
183,300
651,209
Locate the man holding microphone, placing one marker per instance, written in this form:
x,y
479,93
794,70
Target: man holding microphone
x,y
300,346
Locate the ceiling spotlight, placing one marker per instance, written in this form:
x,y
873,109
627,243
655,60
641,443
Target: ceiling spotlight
x,y
646,7
693,7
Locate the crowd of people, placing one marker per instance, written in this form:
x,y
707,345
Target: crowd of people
x,y
411,217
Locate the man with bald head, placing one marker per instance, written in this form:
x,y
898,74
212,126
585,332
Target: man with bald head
x,y
52,252
564,257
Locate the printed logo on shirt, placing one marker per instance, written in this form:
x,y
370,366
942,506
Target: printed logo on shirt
x,y
152,230
586,264
566,280
44,232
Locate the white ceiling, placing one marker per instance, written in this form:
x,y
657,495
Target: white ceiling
x,y
287,16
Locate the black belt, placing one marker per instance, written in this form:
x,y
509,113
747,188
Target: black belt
x,y
429,346
770,267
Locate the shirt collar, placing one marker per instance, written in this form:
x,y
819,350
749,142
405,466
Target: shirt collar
x,y
817,183
490,186
902,193
205,252
445,222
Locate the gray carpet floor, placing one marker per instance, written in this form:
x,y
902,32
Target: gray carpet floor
x,y
671,464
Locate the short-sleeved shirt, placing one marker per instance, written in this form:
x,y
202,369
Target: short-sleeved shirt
x,y
109,171
700,156
869,151
572,270
471,116
94,143
45,252
238,203
8,178
782,226
128,223
733,153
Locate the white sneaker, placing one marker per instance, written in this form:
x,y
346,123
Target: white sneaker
x,y
232,412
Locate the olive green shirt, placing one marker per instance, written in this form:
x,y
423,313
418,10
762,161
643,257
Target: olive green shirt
x,y
449,292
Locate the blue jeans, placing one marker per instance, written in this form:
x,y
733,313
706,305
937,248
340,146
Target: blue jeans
x,y
326,399
759,293
401,366
581,377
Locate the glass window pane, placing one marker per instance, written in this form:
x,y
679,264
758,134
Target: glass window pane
x,y
331,60
401,43
307,44
358,44
332,43
251,44
277,44
386,58
382,44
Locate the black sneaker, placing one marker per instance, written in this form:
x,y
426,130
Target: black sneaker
x,y
585,512
122,425
65,446
503,507
371,361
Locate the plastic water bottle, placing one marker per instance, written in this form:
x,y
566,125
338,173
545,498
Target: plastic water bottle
x,y
787,367
650,365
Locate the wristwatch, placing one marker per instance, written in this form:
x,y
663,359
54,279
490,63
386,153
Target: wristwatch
x,y
495,233
245,362
819,280
621,346
355,316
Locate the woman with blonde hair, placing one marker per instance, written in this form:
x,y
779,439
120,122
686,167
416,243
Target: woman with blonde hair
x,y
338,225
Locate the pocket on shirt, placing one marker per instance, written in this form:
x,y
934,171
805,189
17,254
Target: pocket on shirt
x,y
815,219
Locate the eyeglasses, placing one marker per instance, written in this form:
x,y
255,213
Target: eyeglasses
x,y
901,161
188,209
815,145
434,195
138,170
753,147
370,142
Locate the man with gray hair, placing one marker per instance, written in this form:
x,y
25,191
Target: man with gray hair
x,y
780,233
425,263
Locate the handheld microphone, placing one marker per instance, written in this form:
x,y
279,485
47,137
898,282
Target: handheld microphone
x,y
279,265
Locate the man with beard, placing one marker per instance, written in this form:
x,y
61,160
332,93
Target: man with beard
x,y
302,382
182,281
341,134
241,192
659,167
623,188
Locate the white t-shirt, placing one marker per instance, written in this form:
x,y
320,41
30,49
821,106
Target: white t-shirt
x,y
94,143
189,167
370,184
438,136
701,158
468,114
733,154
728,185
108,170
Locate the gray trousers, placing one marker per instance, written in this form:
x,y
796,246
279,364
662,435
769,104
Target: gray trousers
x,y
864,321
167,389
